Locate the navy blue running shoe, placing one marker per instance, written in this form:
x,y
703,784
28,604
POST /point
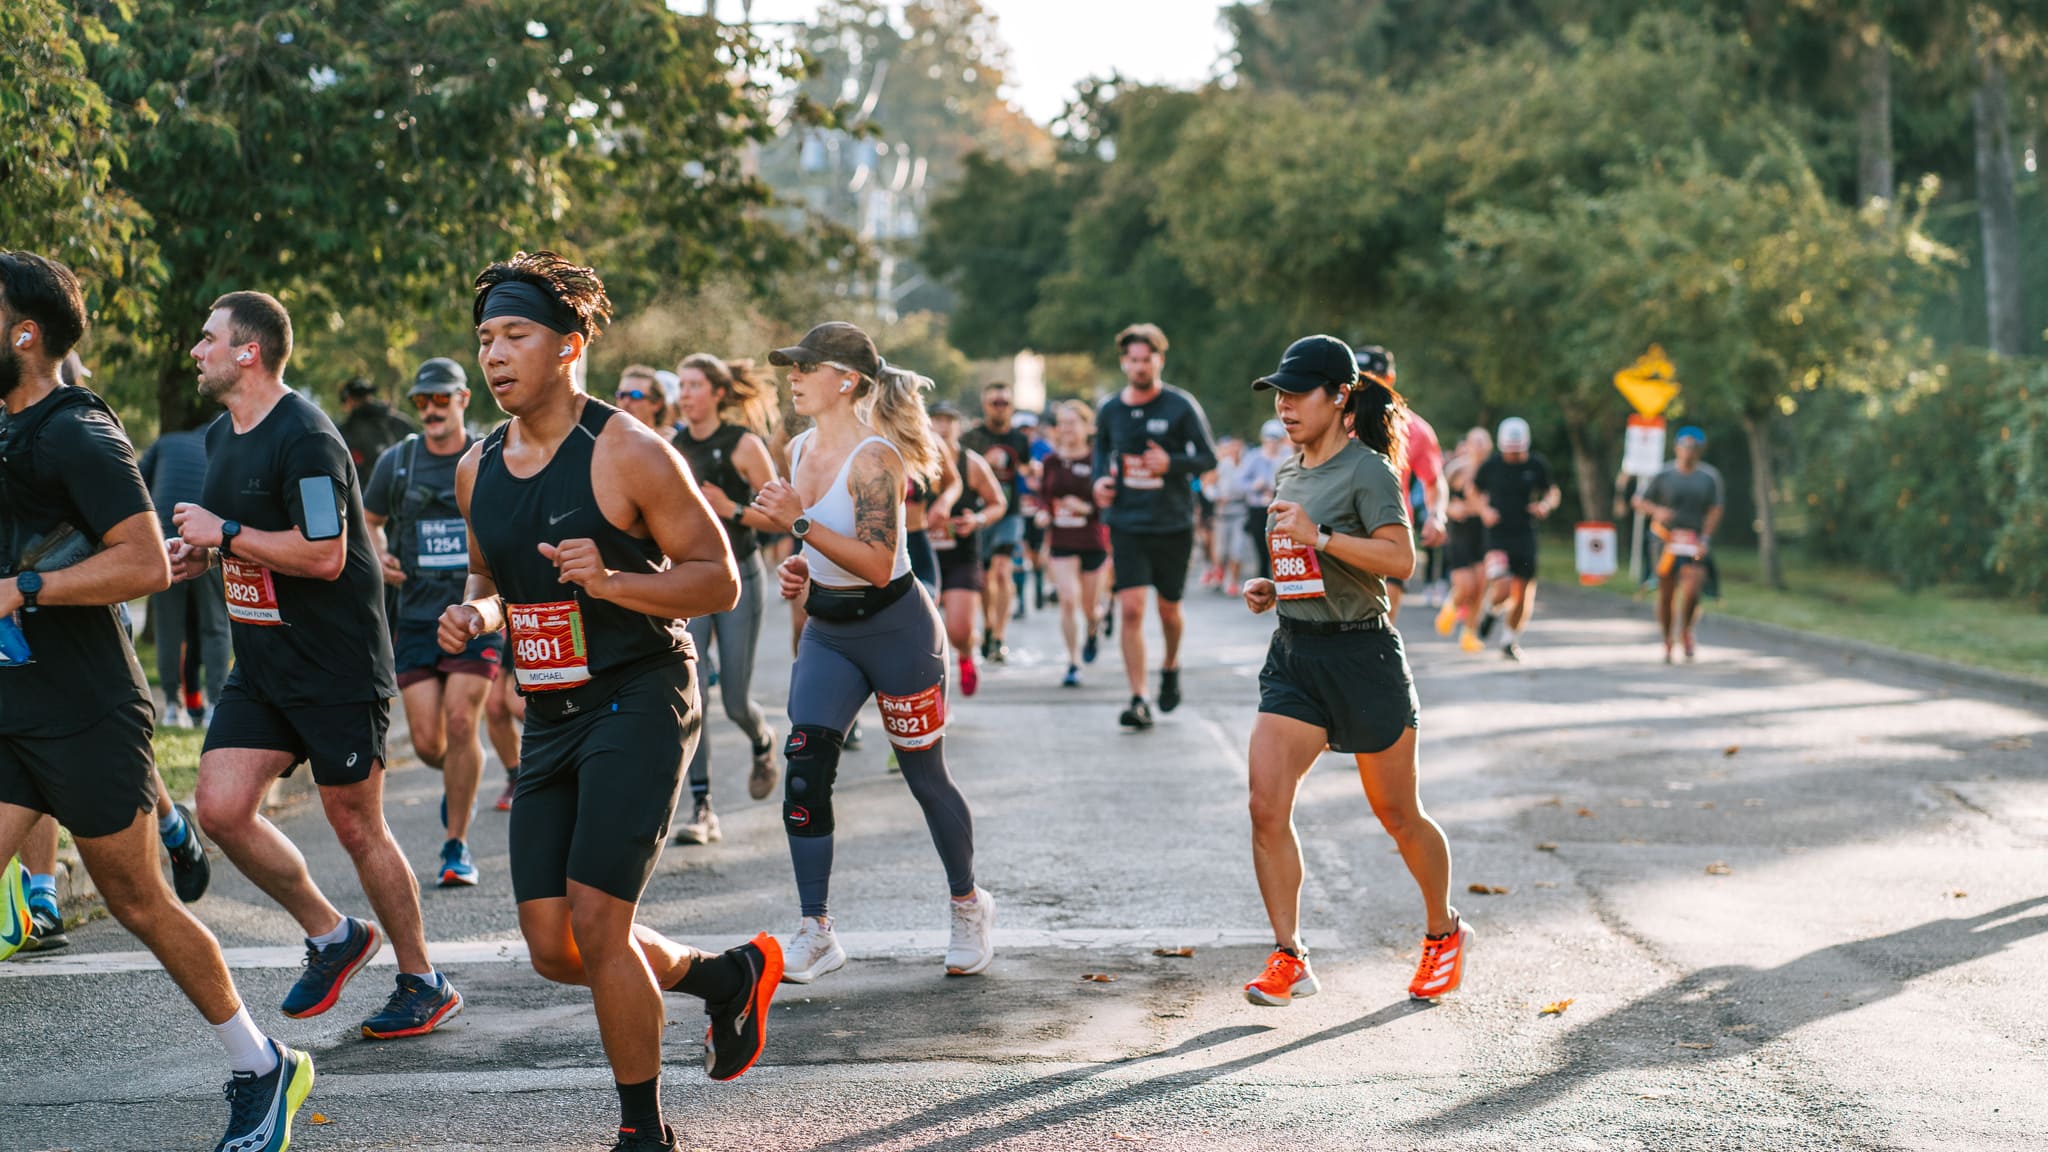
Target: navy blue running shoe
x,y
190,872
328,970
417,1007
457,869
260,1108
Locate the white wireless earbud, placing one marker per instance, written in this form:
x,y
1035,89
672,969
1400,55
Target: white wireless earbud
x,y
566,350
21,341
242,359
847,386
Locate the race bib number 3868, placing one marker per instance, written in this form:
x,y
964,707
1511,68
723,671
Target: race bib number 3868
x,y
548,649
1297,570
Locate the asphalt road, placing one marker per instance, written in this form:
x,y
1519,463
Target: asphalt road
x,y
1793,900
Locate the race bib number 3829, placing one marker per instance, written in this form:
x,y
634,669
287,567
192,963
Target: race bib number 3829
x,y
251,595
548,648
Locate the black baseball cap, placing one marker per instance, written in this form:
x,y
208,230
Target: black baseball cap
x,y
439,375
1376,363
837,342
1310,363
359,386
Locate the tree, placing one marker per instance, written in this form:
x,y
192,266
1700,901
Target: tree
x,y
994,237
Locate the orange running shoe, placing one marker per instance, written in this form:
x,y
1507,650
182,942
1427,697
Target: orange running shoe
x,y
1447,619
1286,978
1470,641
1443,964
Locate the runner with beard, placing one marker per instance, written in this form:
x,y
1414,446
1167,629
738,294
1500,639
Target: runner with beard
x,y
78,538
423,549
725,413
283,519
590,539
873,631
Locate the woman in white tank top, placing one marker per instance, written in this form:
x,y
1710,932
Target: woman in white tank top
x,y
873,630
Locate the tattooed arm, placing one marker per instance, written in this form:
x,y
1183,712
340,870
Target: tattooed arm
x,y
876,484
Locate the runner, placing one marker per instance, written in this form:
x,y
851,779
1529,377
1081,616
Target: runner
x,y
1336,675
726,413
1257,476
1034,556
640,394
192,615
1421,461
368,425
972,499
1466,545
1007,450
594,544
872,632
1151,441
283,519
80,538
1684,502
1230,542
1080,542
423,550
1515,490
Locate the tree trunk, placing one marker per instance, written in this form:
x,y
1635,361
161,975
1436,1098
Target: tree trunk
x,y
1997,206
1874,179
1596,490
1762,480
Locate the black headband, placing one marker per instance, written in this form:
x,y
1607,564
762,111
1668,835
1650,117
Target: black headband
x,y
528,302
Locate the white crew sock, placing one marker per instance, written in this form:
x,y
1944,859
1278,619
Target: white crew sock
x,y
248,1049
1514,635
334,936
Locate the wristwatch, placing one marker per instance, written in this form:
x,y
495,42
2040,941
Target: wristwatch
x,y
229,529
1323,535
29,583
800,527
738,519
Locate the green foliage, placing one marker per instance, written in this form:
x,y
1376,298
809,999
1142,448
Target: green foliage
x,y
999,233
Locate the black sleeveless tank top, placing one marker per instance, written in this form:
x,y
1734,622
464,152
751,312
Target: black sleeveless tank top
x,y
711,463
511,517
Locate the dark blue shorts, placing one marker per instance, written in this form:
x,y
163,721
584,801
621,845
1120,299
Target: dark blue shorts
x,y
417,649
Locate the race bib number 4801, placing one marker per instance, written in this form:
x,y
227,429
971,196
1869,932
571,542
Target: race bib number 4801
x,y
1297,570
548,648
252,597
916,721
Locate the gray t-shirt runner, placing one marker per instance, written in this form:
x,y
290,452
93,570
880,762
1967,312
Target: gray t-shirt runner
x,y
426,530
1354,493
1689,495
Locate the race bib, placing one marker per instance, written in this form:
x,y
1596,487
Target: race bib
x,y
252,598
939,529
444,545
1496,564
1069,520
1683,543
1297,570
548,648
1138,475
914,722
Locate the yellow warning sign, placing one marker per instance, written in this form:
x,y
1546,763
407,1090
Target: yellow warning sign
x,y
1648,384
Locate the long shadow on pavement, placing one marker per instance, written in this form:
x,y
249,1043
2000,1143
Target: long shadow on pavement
x,y
970,1107
1702,1006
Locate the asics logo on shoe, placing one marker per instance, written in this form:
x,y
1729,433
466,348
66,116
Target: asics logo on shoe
x,y
554,520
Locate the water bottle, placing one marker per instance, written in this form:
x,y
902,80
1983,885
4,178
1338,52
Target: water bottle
x,y
13,645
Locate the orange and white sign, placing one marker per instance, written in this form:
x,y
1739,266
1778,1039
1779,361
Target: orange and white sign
x,y
251,596
1594,546
548,648
1642,446
1297,569
915,721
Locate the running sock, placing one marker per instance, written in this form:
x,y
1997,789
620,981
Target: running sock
x,y
712,979
249,1050
640,1106
171,829
1514,635
42,884
330,938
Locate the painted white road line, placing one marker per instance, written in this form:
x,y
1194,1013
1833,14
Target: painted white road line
x,y
859,945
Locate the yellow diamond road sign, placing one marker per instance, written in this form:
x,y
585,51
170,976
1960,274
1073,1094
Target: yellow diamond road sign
x,y
1648,384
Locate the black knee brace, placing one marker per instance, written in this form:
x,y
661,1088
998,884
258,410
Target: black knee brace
x,y
813,755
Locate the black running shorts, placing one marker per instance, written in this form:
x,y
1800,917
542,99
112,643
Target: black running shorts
x,y
1467,544
1354,685
1092,559
1155,560
345,742
94,782
961,570
596,791
1521,550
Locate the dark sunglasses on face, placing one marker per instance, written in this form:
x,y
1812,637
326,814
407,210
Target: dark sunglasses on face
x,y
433,400
632,394
998,402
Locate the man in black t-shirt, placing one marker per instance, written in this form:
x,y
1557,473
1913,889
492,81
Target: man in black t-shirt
x,y
1007,448
78,538
283,520
368,425
423,547
1151,443
1515,490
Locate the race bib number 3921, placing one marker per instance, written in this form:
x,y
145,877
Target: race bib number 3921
x,y
548,648
1297,570
915,721
252,597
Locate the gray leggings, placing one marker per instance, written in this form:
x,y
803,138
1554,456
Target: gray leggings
x,y
200,604
738,633
900,651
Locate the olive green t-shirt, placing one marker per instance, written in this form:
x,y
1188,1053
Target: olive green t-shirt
x,y
1354,493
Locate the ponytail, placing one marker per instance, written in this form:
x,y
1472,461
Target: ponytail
x,y
891,404
1379,418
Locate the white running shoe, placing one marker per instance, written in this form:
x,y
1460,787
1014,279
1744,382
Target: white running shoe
x,y
812,952
974,921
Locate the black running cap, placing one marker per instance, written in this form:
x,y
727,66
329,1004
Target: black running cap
x,y
837,342
1376,364
439,375
1310,363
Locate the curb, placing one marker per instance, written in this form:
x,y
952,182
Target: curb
x,y
2011,684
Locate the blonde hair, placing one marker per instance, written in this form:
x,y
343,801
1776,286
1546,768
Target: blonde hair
x,y
746,400
893,405
1080,409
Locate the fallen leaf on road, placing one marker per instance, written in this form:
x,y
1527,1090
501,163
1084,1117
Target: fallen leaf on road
x,y
1555,1008
1703,804
1958,894
1486,889
1098,977
1731,750
1586,812
1693,1045
1546,883
1718,869
1631,802
1553,802
321,1118
1546,846
1173,951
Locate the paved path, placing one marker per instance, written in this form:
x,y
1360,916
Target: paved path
x,y
1795,902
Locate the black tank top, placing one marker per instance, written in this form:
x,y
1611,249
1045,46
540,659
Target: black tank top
x,y
711,463
511,517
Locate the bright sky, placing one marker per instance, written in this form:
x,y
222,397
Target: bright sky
x,y
1055,44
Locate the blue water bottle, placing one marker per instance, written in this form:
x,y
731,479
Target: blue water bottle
x,y
13,645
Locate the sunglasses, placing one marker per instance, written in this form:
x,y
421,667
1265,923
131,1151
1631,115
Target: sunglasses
x,y
632,394
998,402
806,367
433,400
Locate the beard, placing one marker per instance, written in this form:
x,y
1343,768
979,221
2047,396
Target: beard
x,y
10,372
213,388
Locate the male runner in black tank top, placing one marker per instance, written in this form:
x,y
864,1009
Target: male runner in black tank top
x,y
589,538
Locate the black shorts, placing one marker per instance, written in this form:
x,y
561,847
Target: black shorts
x,y
1521,552
1034,535
596,791
960,570
1092,559
1353,685
345,742
417,648
1466,545
93,781
1155,560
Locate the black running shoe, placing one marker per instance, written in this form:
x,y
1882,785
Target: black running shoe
x,y
739,1027
632,1141
1089,649
190,872
1169,689
45,930
1512,651
1487,620
1138,716
999,654
260,1108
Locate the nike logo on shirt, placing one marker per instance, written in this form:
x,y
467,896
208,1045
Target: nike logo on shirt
x,y
554,520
